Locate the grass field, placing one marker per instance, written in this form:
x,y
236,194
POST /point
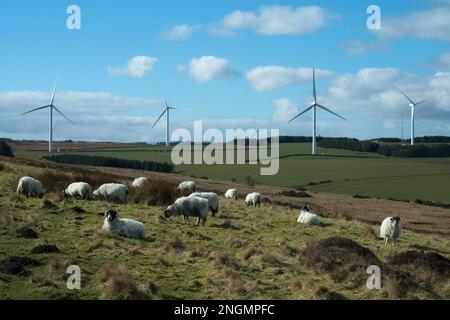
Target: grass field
x,y
349,172
244,253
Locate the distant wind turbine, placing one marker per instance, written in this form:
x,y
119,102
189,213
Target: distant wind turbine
x,y
314,107
413,106
51,106
167,110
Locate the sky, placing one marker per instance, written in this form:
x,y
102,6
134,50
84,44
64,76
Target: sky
x,y
232,63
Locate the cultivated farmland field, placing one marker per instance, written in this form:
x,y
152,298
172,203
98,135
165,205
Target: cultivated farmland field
x,y
346,172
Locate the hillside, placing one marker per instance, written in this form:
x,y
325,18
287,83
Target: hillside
x,y
243,253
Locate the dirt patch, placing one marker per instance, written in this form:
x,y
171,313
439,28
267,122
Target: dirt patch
x,y
295,194
78,210
27,233
416,261
18,266
45,248
325,294
340,257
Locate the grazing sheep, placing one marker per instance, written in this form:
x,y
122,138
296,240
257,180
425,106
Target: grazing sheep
x,y
253,199
213,200
306,217
139,182
232,194
391,228
111,192
187,186
123,227
189,207
78,189
30,187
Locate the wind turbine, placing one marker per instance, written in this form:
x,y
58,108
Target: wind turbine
x,y
51,106
314,105
413,106
167,110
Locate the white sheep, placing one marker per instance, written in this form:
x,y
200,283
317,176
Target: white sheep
x,y
213,200
78,189
232,194
139,182
189,207
30,187
123,227
306,217
114,192
253,199
391,228
187,186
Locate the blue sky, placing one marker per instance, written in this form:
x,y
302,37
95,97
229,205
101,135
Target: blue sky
x,y
229,61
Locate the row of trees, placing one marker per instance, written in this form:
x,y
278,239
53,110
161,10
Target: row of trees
x,y
111,162
349,144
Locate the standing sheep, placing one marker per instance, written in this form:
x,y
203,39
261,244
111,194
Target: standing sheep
x,y
30,187
213,200
189,207
232,194
111,192
123,227
253,199
391,228
306,217
139,182
78,189
187,187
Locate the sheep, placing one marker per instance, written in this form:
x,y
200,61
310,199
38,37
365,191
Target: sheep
x,y
232,194
391,228
139,182
213,200
123,227
111,192
253,199
78,189
30,187
187,187
189,207
306,217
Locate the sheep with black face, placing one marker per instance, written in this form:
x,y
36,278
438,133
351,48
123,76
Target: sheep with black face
x,y
391,228
123,227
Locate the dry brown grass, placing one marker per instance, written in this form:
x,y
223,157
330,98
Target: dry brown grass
x,y
120,285
175,243
154,193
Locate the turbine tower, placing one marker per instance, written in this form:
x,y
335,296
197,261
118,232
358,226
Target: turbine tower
x,y
413,106
167,112
314,107
51,107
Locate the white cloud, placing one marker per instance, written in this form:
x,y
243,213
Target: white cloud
x,y
431,24
279,20
137,67
284,111
180,32
207,68
269,78
444,61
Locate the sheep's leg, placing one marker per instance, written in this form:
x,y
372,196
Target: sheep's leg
x,y
198,221
386,240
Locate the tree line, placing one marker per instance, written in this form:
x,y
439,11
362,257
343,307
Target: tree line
x,y
111,162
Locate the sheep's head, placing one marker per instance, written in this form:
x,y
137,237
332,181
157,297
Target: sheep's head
x,y
395,221
306,208
169,212
111,215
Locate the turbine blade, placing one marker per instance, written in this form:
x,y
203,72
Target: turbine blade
x,y
328,110
301,113
162,114
40,108
165,102
57,110
404,94
177,108
54,92
314,86
422,102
